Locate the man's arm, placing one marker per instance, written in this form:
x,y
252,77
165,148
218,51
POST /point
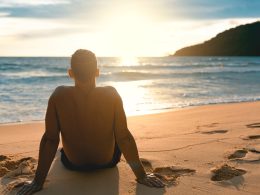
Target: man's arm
x,y
48,147
129,149
127,145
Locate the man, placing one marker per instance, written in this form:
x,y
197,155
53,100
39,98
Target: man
x,y
92,124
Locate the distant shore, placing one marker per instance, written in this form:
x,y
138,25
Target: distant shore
x,y
228,43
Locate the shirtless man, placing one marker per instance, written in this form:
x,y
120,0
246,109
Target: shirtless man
x,y
92,124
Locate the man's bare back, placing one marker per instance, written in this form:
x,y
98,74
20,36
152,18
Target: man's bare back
x,y
86,123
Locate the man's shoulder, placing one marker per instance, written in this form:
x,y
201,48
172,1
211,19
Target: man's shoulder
x,y
60,91
108,91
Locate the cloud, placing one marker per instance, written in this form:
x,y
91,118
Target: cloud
x,y
52,33
23,3
171,9
205,9
34,8
49,8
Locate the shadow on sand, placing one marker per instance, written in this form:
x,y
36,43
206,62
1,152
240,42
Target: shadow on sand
x,y
144,190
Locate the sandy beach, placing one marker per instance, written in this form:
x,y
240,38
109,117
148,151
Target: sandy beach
x,y
201,150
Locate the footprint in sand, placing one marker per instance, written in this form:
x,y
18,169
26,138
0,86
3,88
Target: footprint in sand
x,y
13,172
168,174
226,172
3,169
215,132
238,154
252,137
245,155
10,167
211,125
253,125
3,157
208,125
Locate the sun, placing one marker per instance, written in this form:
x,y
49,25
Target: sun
x,y
129,31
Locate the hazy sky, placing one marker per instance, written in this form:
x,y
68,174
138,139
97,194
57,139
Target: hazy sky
x,y
116,27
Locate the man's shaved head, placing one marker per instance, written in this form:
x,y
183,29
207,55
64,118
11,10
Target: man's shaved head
x,y
83,64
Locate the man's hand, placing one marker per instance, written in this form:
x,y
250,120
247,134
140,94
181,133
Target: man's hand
x,y
151,180
30,187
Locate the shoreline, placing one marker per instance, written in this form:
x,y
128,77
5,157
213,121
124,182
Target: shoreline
x,y
159,111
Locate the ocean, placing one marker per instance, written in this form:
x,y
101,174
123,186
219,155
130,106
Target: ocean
x,y
146,85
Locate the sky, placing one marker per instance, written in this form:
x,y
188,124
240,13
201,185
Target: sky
x,y
116,27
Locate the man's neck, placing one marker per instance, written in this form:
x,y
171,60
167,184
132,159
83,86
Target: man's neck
x,y
85,86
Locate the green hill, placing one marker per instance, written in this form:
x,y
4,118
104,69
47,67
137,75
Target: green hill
x,y
243,40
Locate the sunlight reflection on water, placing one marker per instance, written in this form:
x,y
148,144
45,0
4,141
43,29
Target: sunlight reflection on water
x,y
128,61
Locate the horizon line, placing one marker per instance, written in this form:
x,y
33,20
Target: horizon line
x,y
70,56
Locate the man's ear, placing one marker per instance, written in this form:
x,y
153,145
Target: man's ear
x,y
97,73
70,73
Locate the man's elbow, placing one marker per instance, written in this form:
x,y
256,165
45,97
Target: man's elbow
x,y
124,140
52,140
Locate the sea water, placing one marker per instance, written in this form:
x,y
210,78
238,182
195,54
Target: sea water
x,y
146,85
